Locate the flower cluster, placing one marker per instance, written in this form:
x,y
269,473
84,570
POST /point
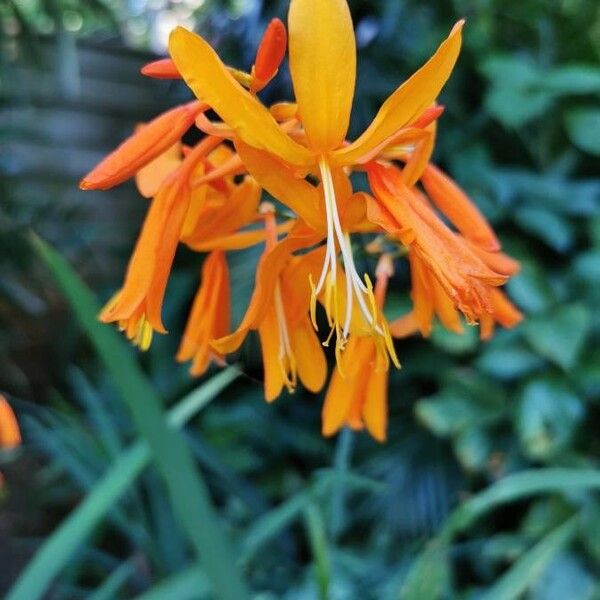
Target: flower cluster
x,y
208,197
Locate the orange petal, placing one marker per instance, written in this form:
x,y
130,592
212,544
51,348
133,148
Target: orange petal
x,y
210,80
209,317
457,206
149,178
345,391
505,312
497,261
323,68
375,409
142,147
409,101
238,211
269,343
272,175
310,359
240,240
422,294
404,326
444,307
10,434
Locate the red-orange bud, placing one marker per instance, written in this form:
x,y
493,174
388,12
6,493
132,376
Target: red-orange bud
x,y
270,53
161,69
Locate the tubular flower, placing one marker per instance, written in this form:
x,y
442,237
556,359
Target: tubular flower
x,y
323,69
209,318
448,271
208,197
357,393
10,435
137,306
278,310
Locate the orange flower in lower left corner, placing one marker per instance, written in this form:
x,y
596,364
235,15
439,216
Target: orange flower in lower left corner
x,y
10,435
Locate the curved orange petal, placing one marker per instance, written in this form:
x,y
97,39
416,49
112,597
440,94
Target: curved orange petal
x,y
404,326
346,390
268,332
459,209
145,145
272,175
310,358
408,102
323,68
210,80
149,178
374,409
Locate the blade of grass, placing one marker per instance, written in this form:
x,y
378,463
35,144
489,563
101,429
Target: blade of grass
x,y
172,457
512,488
317,537
57,550
189,584
516,487
110,587
530,566
341,463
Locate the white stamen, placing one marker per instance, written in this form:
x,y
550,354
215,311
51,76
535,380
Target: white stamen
x,y
334,230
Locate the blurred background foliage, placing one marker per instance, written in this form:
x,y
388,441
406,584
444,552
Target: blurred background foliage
x,y
521,133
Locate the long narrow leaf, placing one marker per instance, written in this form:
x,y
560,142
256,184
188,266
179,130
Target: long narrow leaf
x,y
510,489
173,458
530,566
190,584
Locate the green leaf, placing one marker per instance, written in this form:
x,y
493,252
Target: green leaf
x,y
518,487
559,335
547,415
472,447
508,362
547,226
454,410
429,575
583,127
530,289
529,567
58,549
110,587
173,458
431,563
574,79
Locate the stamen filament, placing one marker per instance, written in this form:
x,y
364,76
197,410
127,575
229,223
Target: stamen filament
x,y
354,284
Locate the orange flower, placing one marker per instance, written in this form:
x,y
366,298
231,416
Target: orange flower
x,y
323,69
137,306
209,318
278,310
357,393
448,271
10,435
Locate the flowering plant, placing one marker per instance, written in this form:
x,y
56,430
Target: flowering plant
x,y
208,197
